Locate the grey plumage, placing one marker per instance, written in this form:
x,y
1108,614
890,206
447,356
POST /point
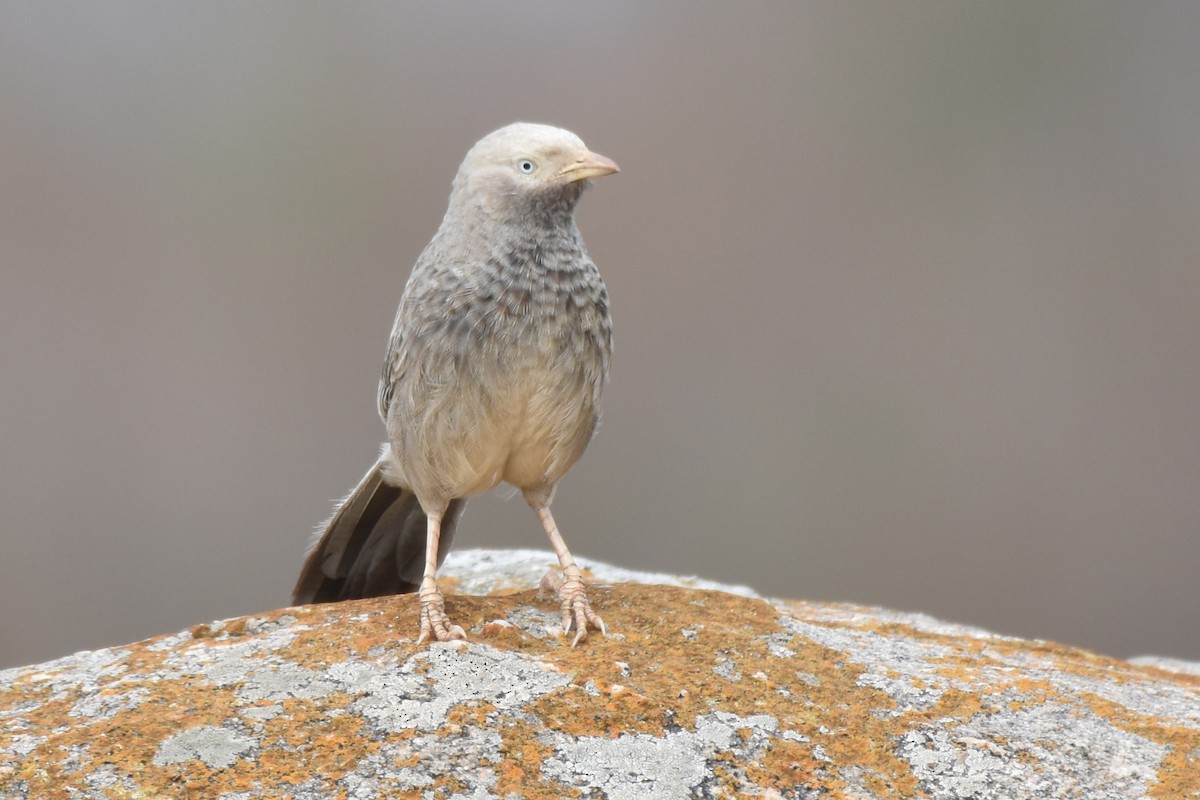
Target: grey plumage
x,y
494,372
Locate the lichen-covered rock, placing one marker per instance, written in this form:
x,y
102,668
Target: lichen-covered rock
x,y
696,692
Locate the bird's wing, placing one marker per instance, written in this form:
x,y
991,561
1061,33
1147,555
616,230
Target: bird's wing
x,y
391,369
421,308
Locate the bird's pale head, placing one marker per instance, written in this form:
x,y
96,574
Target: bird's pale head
x,y
525,169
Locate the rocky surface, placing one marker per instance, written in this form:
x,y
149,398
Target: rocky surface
x,y
698,691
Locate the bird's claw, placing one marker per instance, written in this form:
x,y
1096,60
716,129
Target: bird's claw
x,y
435,625
576,610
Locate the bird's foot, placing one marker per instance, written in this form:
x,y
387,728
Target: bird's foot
x,y
435,625
576,610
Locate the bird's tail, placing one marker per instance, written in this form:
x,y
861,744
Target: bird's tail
x,y
374,544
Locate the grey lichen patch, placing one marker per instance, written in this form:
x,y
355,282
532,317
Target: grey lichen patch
x,y
807,678
632,767
172,642
261,625
16,790
1041,749
908,670
540,623
217,747
83,671
419,693
22,744
229,661
726,667
470,754
283,680
777,645
1175,704
106,781
909,695
262,713
97,705
77,757
644,767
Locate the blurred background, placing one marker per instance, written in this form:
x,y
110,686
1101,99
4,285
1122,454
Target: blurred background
x,y
907,297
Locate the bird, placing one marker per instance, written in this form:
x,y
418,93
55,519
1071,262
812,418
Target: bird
x,y
495,370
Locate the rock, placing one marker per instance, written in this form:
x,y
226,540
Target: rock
x,y
696,692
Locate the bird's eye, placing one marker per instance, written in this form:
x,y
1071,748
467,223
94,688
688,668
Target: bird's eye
x,y
526,166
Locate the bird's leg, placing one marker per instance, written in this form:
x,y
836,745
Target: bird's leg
x,y
435,625
576,610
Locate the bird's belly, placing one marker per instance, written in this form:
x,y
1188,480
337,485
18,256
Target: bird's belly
x,y
536,456
547,421
526,427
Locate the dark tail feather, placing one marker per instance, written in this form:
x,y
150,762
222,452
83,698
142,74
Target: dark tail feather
x,y
373,545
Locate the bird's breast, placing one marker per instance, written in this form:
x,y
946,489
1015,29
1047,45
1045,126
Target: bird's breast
x,y
510,383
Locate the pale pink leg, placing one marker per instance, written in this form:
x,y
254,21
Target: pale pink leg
x,y
576,610
434,622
